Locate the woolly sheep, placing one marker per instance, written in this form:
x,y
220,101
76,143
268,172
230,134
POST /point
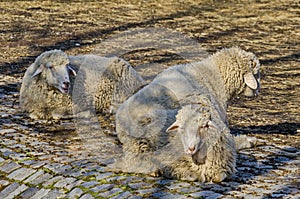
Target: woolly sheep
x,y
142,120
108,82
206,139
210,148
45,86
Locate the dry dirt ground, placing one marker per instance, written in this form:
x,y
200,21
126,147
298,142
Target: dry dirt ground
x,y
270,29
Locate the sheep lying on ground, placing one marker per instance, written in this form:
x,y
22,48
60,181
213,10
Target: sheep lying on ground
x,y
47,92
202,150
142,120
210,148
45,86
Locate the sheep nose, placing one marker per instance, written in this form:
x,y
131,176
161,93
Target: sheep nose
x,y
66,84
191,150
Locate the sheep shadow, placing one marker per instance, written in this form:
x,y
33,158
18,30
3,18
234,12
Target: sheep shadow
x,y
266,162
285,128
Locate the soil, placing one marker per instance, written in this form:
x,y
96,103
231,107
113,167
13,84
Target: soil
x,y
270,29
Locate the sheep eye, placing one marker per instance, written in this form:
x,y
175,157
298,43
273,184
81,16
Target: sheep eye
x,y
205,126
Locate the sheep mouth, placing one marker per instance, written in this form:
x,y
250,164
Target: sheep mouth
x,y
64,90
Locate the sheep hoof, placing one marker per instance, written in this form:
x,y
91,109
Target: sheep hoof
x,y
220,177
190,176
156,173
244,142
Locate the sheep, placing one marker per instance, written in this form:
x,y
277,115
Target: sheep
x,y
47,91
202,150
45,86
142,120
209,147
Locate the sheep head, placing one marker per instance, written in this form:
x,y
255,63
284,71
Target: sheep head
x,y
53,66
195,127
239,70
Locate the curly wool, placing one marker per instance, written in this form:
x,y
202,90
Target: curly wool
x,y
103,83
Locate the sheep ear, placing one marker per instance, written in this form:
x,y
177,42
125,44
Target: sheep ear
x,y
72,71
173,127
38,71
250,81
211,124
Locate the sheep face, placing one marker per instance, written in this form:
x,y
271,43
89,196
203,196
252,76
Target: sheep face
x,y
54,69
252,78
194,126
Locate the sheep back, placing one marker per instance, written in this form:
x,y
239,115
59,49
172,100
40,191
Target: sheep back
x,y
104,82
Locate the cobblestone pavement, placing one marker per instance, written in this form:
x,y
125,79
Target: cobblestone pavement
x,y
43,159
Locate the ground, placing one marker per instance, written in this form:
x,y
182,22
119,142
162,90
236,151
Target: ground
x,y
48,159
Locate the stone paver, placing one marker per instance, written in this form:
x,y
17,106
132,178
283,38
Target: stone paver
x,y
76,192
42,178
167,195
4,183
9,189
206,194
54,193
122,195
52,181
16,192
41,193
29,192
21,174
64,182
103,187
9,166
74,184
103,175
89,184
111,192
147,191
34,176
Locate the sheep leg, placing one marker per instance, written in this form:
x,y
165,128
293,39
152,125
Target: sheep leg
x,y
181,169
244,142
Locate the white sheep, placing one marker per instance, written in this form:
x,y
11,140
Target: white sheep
x,y
45,86
209,147
142,120
47,92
